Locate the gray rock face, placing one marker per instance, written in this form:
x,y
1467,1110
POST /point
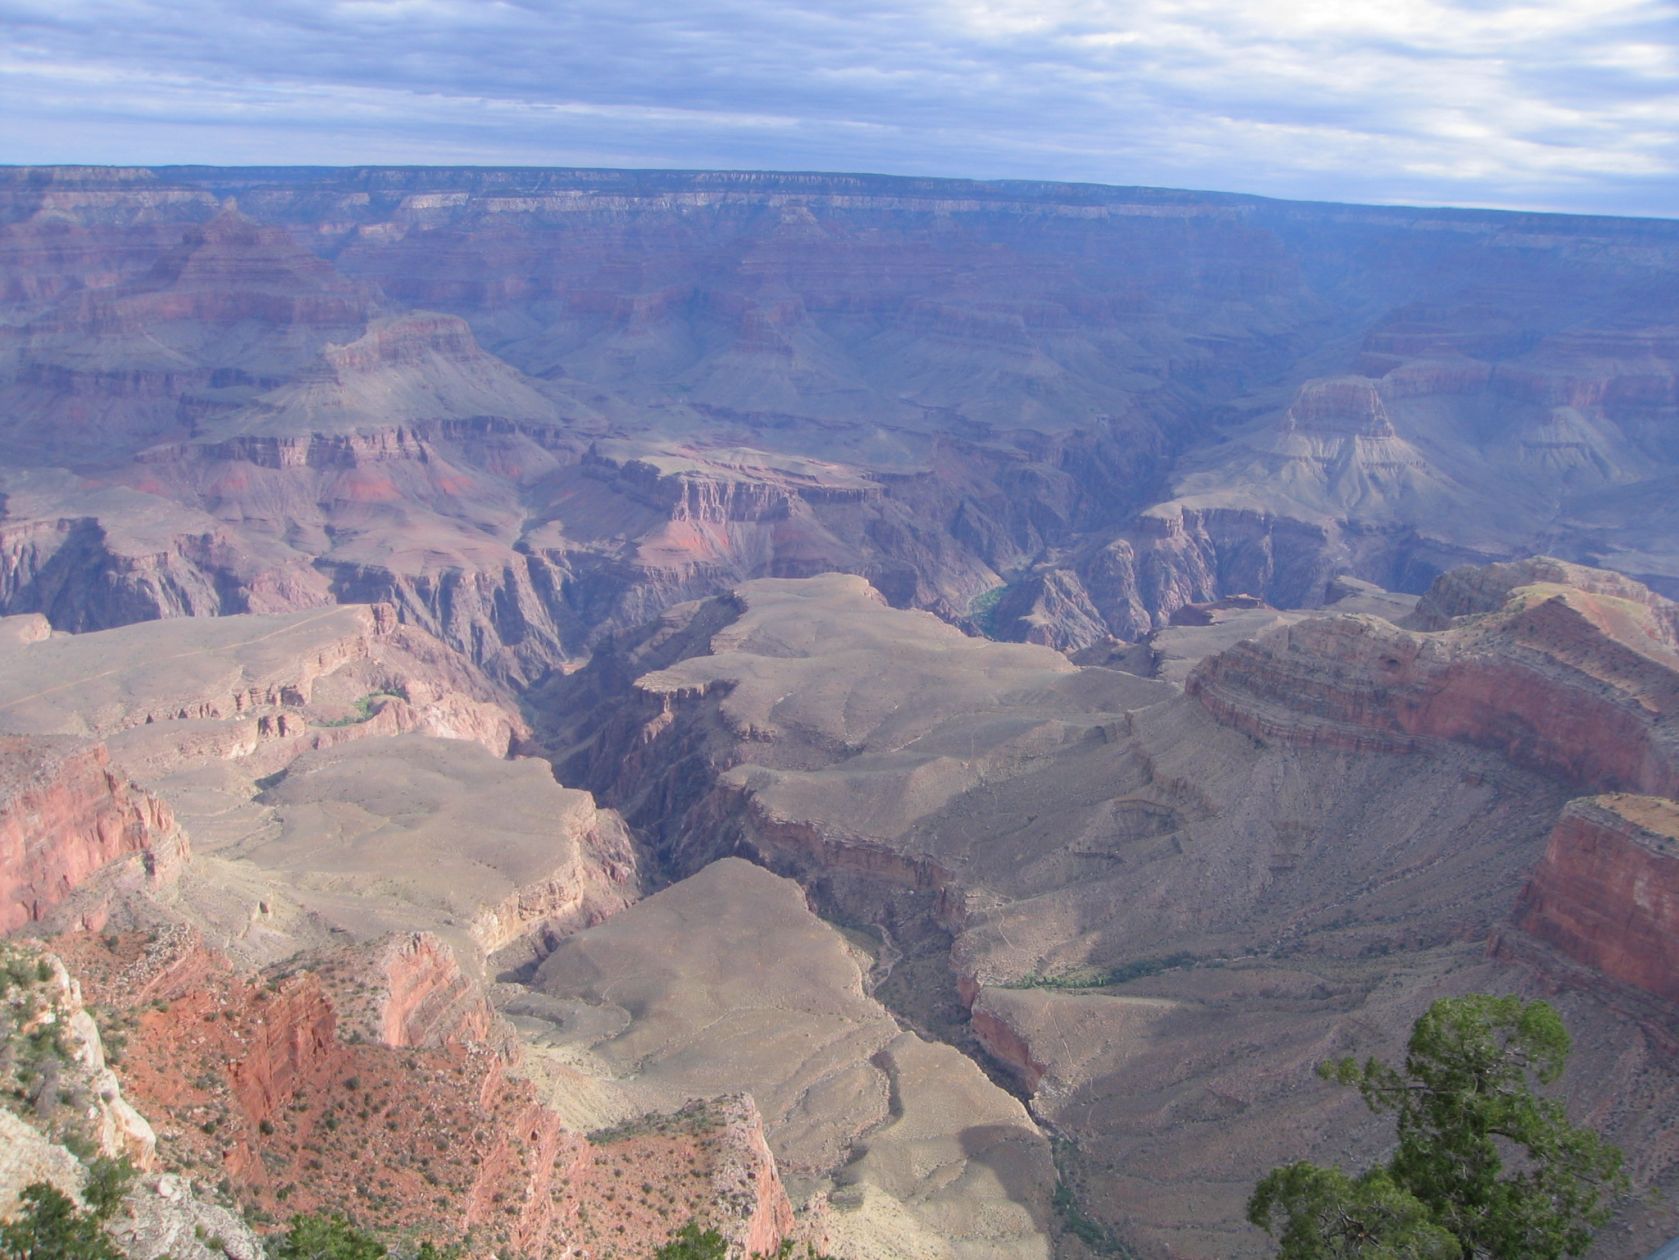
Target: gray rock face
x,y
164,1217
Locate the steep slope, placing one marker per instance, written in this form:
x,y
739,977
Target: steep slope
x,y
534,408
376,1076
305,1003
64,815
727,982
1158,911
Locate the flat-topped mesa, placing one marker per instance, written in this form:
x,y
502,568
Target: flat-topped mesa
x,y
1340,406
1575,680
725,485
64,815
1606,893
262,677
595,876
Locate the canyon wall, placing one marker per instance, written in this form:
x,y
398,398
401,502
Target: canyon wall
x,y
533,409
1606,893
1567,680
64,814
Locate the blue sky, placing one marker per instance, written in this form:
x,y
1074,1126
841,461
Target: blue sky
x,y
1556,104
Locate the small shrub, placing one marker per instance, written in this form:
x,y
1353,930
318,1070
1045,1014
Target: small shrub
x,y
328,1238
108,1181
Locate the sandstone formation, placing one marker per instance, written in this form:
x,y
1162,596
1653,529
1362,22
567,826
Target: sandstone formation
x,y
1607,892
420,834
275,1085
64,814
259,677
1038,845
1581,681
329,497
912,1150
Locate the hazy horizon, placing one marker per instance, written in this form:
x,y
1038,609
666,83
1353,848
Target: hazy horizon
x,y
820,174
1565,105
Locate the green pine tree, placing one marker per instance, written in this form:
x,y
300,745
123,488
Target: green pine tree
x,y
1486,1169
51,1227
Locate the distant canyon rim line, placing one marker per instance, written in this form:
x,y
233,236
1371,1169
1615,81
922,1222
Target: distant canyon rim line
x,y
530,408
419,589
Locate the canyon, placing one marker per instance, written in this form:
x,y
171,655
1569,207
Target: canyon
x,y
904,716
532,408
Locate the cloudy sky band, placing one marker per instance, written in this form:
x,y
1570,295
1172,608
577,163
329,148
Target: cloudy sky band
x,y
1535,104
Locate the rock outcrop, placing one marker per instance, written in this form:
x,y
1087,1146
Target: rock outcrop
x,y
73,1094
1578,682
64,815
425,1000
1606,893
380,1068
299,680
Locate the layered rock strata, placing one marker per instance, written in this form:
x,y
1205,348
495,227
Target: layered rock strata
x,y
1606,893
1577,682
380,1068
64,815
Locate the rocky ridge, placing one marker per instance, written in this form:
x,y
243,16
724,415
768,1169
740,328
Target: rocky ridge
x,y
1021,834
513,404
65,815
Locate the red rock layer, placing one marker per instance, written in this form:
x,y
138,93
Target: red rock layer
x,y
63,816
1003,1042
1567,681
427,1001
273,1086
1607,892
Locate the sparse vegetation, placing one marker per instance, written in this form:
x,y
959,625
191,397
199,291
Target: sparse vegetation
x,y
364,708
693,1243
983,610
49,1226
1485,1168
108,1181
1092,978
1096,1236
696,1117
330,1237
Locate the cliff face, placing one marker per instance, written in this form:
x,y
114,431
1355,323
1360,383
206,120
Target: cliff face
x,y
600,878
381,1067
276,683
1568,680
64,814
426,1001
649,387
1607,890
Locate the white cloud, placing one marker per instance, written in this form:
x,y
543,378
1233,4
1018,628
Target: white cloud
x,y
1549,103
